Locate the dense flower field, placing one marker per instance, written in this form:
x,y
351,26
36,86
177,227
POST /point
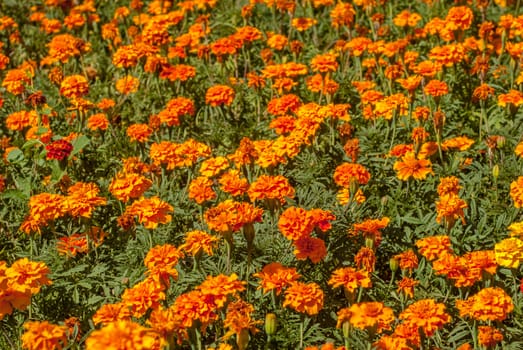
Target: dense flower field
x,y
264,174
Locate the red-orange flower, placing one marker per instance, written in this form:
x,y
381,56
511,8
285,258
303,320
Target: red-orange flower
x,y
219,95
410,166
427,315
304,297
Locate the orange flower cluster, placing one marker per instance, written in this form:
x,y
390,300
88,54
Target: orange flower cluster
x,y
196,242
489,304
412,166
373,316
426,315
449,207
128,333
176,155
350,279
19,282
175,109
230,216
271,188
370,228
79,242
219,95
304,298
126,186
150,211
275,276
161,261
44,335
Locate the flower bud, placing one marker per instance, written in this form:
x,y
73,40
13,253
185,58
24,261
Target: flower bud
x,y
271,323
369,243
242,339
495,171
346,329
394,264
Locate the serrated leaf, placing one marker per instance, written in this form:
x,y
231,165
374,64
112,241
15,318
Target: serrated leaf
x,y
79,143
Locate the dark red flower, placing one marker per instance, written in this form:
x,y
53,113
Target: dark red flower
x,y
59,149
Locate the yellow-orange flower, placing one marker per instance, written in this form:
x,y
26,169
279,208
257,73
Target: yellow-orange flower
x,y
150,211
44,336
126,186
516,192
509,252
427,315
350,279
371,315
304,297
489,304
127,85
275,276
74,86
197,242
410,166
123,335
219,95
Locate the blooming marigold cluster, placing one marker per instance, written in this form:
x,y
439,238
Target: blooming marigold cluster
x,y
275,276
304,298
59,149
426,315
19,282
370,228
516,192
271,187
44,335
196,242
126,186
219,95
489,304
373,315
161,261
123,334
150,211
231,216
175,109
175,155
410,166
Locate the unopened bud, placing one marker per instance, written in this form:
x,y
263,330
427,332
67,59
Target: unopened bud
x,y
346,329
501,141
242,339
369,243
394,264
495,171
271,323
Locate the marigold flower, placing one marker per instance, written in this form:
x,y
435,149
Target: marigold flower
x,y
271,187
233,183
365,258
459,18
82,198
129,185
303,23
200,189
410,166
27,277
489,336
371,315
16,80
350,279
427,315
109,313
18,121
238,320
197,242
304,297
161,261
144,296
275,276
516,192
483,92
59,149
44,336
123,334
219,95
98,121
324,63
150,211
221,287
406,285
408,260
74,86
127,85
509,252
310,248
348,173
179,72
489,304
513,98
449,208
434,246
462,143
370,228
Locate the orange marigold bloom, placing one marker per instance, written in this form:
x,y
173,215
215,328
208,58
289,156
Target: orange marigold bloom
x,y
350,279
365,258
275,276
233,183
427,315
509,252
310,248
461,143
513,98
349,173
448,185
436,88
295,223
516,192
304,298
373,315
271,187
26,277
200,189
139,132
82,198
45,207
98,121
109,313
79,242
125,186
74,86
489,336
282,105
238,320
106,103
303,23
434,246
370,228
18,121
221,288
489,304
123,334
459,18
181,72
150,211
406,285
127,85
276,41
197,242
44,336
16,80
175,109
213,166
409,166
342,15
483,92
408,260
144,296
449,208
219,95
324,63
161,261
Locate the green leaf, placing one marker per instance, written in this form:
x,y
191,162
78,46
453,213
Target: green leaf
x,y
79,143
15,156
